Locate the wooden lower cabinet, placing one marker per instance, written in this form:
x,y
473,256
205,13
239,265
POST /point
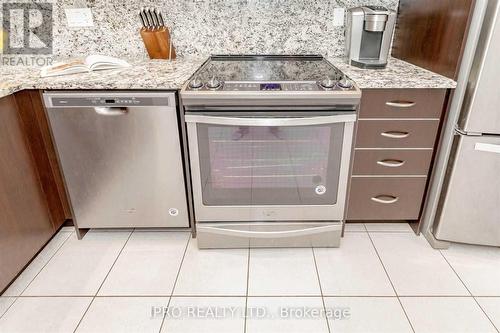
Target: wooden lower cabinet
x,y
389,162
385,198
34,118
25,221
397,133
402,103
395,139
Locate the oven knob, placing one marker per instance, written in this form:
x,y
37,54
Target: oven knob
x,y
196,83
320,190
327,83
213,83
345,83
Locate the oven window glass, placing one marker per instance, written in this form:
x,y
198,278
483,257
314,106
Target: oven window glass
x,y
255,165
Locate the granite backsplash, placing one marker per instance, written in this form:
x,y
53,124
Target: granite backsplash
x,y
204,27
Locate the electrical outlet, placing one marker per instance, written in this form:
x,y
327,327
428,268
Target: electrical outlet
x,y
338,17
79,17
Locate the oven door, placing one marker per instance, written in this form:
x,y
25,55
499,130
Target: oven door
x,y
285,166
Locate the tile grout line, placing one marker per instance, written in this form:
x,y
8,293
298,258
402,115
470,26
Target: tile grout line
x,y
43,267
321,290
52,256
389,232
114,262
390,281
84,314
180,266
246,296
491,321
15,299
468,290
454,271
175,282
250,296
102,283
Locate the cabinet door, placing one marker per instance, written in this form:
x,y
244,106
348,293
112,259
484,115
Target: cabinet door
x,y
37,132
391,162
25,224
386,198
396,133
402,103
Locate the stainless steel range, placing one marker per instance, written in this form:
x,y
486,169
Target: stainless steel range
x,y
269,146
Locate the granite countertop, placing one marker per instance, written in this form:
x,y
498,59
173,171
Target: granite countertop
x,y
171,75
397,74
145,74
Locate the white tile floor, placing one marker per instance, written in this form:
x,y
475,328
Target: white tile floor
x,y
383,278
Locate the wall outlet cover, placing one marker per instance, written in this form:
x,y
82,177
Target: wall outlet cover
x,y
338,17
79,17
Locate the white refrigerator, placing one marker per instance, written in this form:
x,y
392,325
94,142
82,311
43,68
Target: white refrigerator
x,y
468,209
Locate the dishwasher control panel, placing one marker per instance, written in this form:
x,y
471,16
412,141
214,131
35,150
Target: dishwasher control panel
x,y
108,101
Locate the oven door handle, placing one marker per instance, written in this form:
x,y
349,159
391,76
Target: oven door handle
x,y
268,234
270,121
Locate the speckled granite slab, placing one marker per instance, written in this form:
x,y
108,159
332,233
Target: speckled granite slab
x,y
6,90
205,27
146,74
166,75
397,74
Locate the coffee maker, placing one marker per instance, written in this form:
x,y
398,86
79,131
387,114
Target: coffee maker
x,y
368,36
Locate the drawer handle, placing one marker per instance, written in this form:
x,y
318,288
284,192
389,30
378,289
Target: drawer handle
x,y
395,134
400,104
385,199
391,163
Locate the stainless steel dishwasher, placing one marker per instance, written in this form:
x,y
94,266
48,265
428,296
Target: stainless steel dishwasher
x,y
120,154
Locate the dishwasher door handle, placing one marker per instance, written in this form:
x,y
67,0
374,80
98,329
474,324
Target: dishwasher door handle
x,y
110,111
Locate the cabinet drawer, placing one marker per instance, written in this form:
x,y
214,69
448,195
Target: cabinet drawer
x,y
391,198
402,103
392,162
396,133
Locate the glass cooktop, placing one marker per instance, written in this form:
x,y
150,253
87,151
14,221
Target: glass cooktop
x,y
270,68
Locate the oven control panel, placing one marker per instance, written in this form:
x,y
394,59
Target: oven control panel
x,y
271,86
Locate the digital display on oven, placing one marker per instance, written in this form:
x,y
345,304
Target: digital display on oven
x,y
270,86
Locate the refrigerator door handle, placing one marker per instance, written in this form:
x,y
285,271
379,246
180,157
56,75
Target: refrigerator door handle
x,y
487,147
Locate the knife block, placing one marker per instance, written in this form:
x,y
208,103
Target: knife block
x,y
158,43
